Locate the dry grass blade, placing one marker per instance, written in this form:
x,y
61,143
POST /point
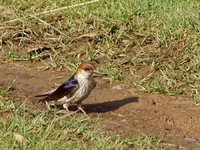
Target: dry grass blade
x,y
54,10
89,35
66,7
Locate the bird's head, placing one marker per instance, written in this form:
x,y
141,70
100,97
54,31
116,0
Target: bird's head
x,y
85,70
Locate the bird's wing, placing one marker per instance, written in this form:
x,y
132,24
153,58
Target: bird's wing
x,y
45,94
68,87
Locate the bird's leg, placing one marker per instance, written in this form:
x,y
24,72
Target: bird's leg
x,y
65,110
65,106
79,105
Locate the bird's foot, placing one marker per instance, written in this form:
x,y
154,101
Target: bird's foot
x,y
64,111
65,106
81,109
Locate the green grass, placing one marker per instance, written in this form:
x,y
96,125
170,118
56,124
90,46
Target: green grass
x,y
23,127
152,44
196,97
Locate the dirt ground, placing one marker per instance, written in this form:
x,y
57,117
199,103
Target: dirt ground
x,y
122,109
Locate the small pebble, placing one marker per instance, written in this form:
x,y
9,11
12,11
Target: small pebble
x,y
189,139
117,87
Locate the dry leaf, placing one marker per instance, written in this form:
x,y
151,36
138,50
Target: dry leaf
x,y
38,50
89,35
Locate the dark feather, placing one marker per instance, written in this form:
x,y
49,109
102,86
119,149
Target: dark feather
x,y
45,94
67,88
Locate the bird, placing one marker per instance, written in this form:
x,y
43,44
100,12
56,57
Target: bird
x,y
74,90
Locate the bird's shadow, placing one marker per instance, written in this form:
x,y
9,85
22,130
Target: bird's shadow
x,y
106,106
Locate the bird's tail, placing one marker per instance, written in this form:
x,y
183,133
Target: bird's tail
x,y
45,94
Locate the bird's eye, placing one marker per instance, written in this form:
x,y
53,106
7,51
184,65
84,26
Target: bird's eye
x,y
86,69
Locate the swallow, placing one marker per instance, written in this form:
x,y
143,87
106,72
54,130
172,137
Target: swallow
x,y
76,89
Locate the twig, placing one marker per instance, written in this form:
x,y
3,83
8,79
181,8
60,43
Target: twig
x,y
66,7
54,10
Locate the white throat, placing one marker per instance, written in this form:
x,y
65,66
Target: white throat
x,y
83,75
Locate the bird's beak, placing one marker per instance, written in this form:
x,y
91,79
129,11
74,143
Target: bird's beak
x,y
95,72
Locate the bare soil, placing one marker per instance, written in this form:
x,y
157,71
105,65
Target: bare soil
x,y
122,109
